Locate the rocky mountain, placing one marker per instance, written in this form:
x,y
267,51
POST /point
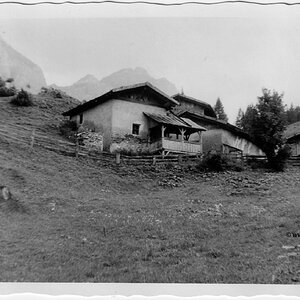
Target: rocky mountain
x,y
26,74
90,87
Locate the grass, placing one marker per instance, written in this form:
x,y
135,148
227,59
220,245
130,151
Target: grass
x,y
87,221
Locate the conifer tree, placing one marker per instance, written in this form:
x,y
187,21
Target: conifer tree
x,y
219,110
239,119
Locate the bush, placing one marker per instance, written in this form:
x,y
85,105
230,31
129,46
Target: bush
x,y
68,129
22,98
278,162
257,164
52,91
7,92
218,163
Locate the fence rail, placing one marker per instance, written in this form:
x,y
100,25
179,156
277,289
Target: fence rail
x,y
27,134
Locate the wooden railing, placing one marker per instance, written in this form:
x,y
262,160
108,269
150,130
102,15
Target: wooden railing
x,y
176,146
181,146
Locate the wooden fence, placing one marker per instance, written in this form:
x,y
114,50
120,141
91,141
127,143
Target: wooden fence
x,y
32,137
294,161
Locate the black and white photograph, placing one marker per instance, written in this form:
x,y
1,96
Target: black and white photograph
x,y
150,143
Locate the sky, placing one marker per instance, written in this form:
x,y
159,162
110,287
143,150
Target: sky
x,y
230,52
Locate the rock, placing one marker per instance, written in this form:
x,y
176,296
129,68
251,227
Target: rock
x,y
288,247
5,194
292,254
25,73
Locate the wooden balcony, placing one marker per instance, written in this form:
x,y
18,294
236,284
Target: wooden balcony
x,y
176,146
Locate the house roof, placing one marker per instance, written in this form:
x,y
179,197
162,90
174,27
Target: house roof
x,y
171,119
209,109
292,130
193,124
117,92
220,123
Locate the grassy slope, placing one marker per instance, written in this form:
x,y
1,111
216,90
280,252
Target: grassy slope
x,y
88,221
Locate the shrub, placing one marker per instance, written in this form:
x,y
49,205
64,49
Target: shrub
x,y
68,129
214,162
52,91
22,98
7,92
278,162
257,164
218,163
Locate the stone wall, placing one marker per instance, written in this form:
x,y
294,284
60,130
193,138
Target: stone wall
x,y
91,140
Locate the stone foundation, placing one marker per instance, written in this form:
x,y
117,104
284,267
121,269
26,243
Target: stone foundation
x,y
91,140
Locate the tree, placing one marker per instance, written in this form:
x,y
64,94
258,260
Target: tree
x,y
219,110
265,123
292,114
239,118
248,119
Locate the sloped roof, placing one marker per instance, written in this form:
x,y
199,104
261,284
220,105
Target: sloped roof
x,y
193,124
171,119
220,123
114,93
292,130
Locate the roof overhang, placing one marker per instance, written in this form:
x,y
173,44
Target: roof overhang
x,y
221,124
171,119
166,101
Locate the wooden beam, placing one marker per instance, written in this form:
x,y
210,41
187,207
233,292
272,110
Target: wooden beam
x,y
182,132
163,128
200,137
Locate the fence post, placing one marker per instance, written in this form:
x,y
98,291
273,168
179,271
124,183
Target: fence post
x,y
118,158
154,161
180,158
76,147
32,139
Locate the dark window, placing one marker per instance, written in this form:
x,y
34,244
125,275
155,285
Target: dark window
x,y
136,128
80,118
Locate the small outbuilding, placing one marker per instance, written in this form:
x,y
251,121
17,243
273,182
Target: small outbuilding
x,y
220,136
292,136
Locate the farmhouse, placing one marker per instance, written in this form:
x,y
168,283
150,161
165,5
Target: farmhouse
x,y
138,118
220,136
292,135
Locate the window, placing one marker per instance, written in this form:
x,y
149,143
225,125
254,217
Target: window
x,y
80,118
136,129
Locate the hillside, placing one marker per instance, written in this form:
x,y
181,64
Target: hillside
x,y
85,220
89,87
26,74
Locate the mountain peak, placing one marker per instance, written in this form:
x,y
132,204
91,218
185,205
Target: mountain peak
x,y
90,87
88,79
26,74
140,70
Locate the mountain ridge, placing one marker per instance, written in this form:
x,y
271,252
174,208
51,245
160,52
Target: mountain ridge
x,y
89,87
